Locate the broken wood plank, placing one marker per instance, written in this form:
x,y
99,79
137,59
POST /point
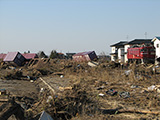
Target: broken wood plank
x,y
139,111
3,100
120,110
48,85
65,88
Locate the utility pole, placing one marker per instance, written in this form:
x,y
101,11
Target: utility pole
x,y
145,35
127,38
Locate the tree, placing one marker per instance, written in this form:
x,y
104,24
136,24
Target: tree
x,y
54,54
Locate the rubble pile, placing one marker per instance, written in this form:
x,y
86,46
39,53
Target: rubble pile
x,y
71,89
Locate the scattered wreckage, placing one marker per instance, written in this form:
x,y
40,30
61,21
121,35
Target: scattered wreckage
x,y
105,88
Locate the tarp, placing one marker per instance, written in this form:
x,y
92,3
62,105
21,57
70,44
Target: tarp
x,y
45,116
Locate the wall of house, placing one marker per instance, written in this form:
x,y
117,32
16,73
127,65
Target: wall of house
x,y
112,58
125,50
121,54
19,59
157,47
113,50
91,56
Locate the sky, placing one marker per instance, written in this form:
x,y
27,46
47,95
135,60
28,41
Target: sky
x,y
75,25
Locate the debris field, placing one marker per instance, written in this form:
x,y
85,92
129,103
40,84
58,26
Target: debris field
x,y
77,90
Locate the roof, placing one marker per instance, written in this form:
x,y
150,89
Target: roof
x,y
70,53
158,38
10,56
2,56
155,39
139,41
30,55
121,43
83,53
60,53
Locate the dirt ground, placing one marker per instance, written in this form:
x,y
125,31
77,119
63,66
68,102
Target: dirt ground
x,y
131,93
19,87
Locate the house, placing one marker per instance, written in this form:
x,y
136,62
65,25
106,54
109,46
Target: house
x,y
14,57
84,56
2,56
134,42
29,56
156,42
117,52
69,55
61,56
41,54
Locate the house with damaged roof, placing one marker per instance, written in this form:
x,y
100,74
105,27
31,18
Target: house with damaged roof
x,y
15,58
84,56
2,56
29,56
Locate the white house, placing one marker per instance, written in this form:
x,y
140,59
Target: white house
x,y
117,53
119,50
156,42
113,53
126,46
121,54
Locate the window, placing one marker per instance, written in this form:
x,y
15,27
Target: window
x,y
144,50
157,45
152,50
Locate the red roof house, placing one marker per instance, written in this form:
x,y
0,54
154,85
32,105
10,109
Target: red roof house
x,y
84,56
2,56
14,57
29,56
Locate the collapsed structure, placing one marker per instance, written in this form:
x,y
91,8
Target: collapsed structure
x,y
84,56
30,56
19,59
2,56
14,57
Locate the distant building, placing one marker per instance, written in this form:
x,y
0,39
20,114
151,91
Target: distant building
x,y
84,56
117,52
69,55
61,56
135,42
14,57
2,56
156,42
29,56
41,54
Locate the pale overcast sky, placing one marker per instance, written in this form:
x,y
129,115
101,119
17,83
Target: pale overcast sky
x,y
75,25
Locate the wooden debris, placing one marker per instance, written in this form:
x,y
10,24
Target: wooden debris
x,y
120,110
65,88
48,85
139,111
